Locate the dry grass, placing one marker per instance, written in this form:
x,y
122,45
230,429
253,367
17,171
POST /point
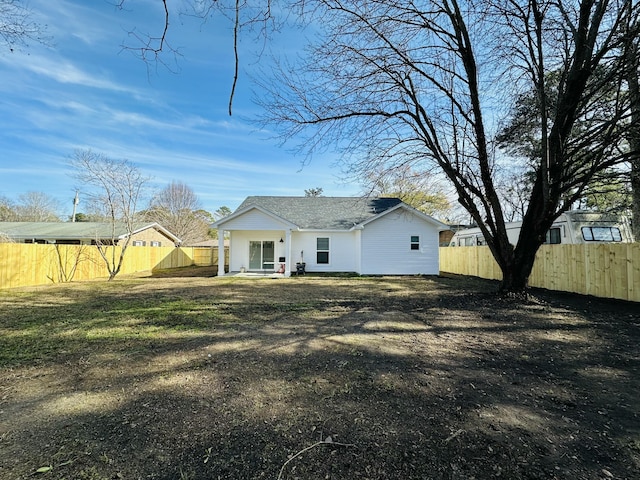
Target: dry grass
x,y
177,376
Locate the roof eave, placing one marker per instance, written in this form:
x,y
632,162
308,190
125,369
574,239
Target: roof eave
x,y
220,223
159,228
441,226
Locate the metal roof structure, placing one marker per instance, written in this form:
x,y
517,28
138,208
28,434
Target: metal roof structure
x,y
19,231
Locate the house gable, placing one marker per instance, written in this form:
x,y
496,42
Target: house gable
x,y
151,235
254,218
403,207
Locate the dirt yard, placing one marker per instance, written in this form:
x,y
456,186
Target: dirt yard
x,y
192,377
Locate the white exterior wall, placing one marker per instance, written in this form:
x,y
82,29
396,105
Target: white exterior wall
x,y
253,225
382,247
386,246
358,247
254,220
342,251
343,254
239,250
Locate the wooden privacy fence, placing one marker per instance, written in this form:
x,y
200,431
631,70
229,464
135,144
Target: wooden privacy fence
x,y
609,270
605,270
24,265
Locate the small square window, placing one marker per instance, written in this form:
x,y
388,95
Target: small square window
x,y
415,242
553,236
323,257
322,243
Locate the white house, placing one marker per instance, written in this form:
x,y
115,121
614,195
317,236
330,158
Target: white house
x,y
369,236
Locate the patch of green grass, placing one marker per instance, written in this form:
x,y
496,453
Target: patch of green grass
x,y
65,321
135,315
331,274
132,316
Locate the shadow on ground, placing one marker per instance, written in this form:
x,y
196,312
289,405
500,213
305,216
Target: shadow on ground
x,y
399,378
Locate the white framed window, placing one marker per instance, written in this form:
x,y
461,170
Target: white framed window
x,y
322,250
139,243
155,243
261,255
415,242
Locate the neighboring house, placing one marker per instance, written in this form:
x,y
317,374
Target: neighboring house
x,y
447,235
207,243
87,233
369,236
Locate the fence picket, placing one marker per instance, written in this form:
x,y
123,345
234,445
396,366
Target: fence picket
x,y
610,270
23,265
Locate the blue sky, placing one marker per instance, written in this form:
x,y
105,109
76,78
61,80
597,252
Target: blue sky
x,y
86,92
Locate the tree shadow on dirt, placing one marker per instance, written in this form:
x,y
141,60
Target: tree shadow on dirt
x,y
438,381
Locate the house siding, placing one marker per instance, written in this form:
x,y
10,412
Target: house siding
x,y
149,235
386,246
342,251
254,220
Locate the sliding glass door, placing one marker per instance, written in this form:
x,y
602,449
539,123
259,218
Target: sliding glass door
x,y
261,255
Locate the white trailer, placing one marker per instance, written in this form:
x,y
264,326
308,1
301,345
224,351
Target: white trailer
x,y
576,226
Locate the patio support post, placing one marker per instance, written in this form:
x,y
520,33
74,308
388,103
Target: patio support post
x,y
287,264
220,252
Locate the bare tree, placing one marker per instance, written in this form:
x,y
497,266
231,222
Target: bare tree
x,y
611,190
69,258
177,208
7,210
421,190
631,51
37,207
17,27
115,187
422,83
255,16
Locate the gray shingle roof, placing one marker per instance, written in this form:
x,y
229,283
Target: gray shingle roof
x,y
63,230
323,213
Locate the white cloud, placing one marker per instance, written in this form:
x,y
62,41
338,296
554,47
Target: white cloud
x,y
64,71
68,22
81,94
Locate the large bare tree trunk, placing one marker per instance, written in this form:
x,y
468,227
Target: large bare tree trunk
x,y
631,75
635,196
